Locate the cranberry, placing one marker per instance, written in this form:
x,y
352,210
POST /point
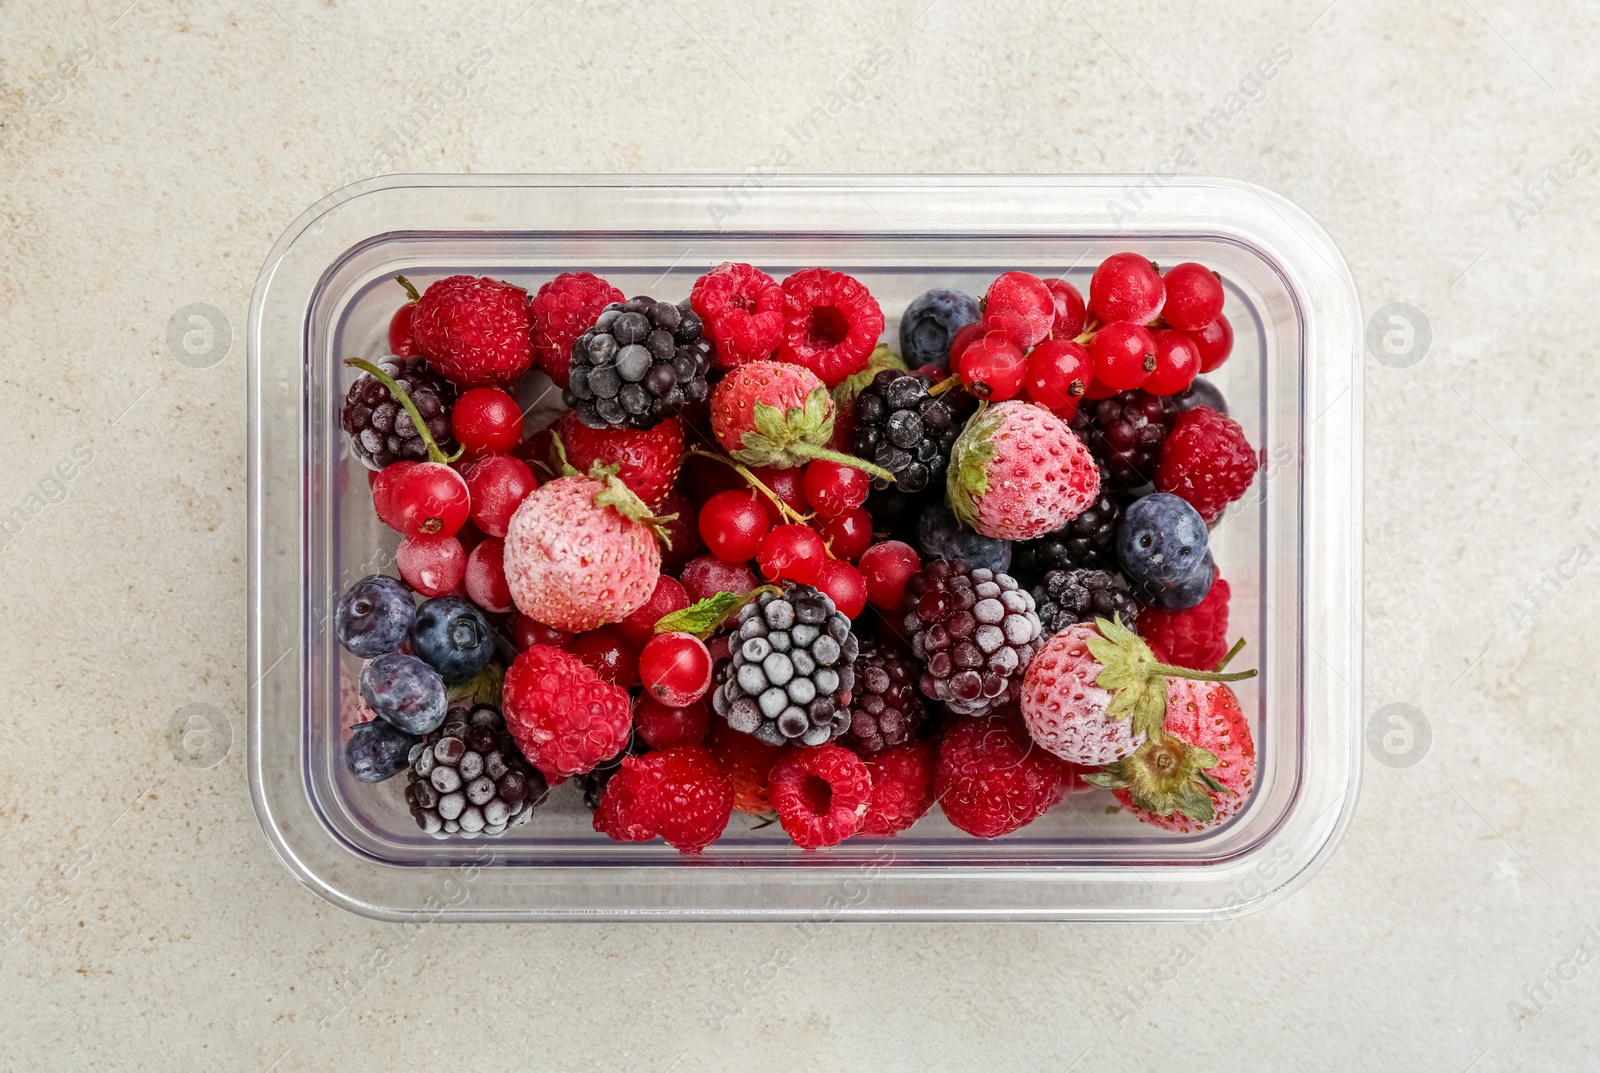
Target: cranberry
x,y
675,668
664,727
1215,341
423,499
498,486
885,568
668,597
791,553
848,535
732,524
1126,287
1059,372
832,488
1070,311
486,421
609,654
993,367
431,565
1177,362
485,580
1124,355
1194,296
1021,307
844,585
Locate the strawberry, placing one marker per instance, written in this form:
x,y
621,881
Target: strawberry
x,y
992,780
581,551
1017,472
474,330
647,462
765,413
1198,771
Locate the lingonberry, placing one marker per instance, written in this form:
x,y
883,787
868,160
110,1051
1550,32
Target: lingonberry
x,y
1021,307
486,421
1059,371
885,568
1194,297
844,585
1124,355
1070,311
423,499
732,524
1215,341
609,654
993,367
498,484
832,489
1126,287
675,668
791,553
485,579
527,632
664,727
431,565
1177,362
668,597
848,535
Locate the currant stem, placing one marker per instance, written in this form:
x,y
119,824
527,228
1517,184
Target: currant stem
x,y
411,290
1089,329
784,510
944,385
434,454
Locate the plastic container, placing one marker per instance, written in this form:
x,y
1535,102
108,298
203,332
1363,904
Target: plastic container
x,y
1291,550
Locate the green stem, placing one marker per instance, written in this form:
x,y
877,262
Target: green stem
x,y
944,385
1234,651
1089,328
1167,670
434,454
784,510
411,291
811,450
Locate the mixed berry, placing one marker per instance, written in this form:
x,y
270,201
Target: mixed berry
x,y
761,563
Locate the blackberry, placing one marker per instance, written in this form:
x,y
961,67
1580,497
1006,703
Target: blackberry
x,y
905,430
1125,433
380,430
1068,597
468,777
1088,542
1200,393
792,670
974,630
885,708
641,362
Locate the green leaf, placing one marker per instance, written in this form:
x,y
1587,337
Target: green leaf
x,y
845,392
704,617
1109,779
483,689
770,423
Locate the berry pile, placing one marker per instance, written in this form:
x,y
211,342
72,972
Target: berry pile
x,y
763,564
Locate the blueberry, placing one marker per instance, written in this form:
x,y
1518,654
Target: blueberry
x,y
373,615
452,637
1186,593
1161,541
930,322
1200,393
378,750
940,536
405,691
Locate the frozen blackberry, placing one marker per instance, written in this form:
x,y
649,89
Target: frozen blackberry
x,y
1068,597
380,429
974,631
1088,542
905,430
885,709
1125,434
641,363
467,778
792,671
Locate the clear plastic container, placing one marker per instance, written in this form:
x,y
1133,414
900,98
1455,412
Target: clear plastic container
x,y
1291,550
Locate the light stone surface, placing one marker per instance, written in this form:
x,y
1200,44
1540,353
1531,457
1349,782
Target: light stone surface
x,y
148,926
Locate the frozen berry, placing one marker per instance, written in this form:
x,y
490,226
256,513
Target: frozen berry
x,y
940,536
1021,307
1124,355
452,637
993,367
641,362
832,488
405,691
1161,542
562,310
423,498
486,421
497,486
788,484
904,429
374,615
663,727
902,787
791,553
381,429
886,708
527,632
1126,287
885,568
1193,296
830,324
1068,597
1201,392
1059,372
1194,637
675,668
821,794
668,597
733,524
974,631
485,579
468,778
609,654
1070,312
1215,341
377,750
680,794
1207,461
474,330
432,565
1125,434
1177,362
708,575
848,535
931,322
844,585
742,309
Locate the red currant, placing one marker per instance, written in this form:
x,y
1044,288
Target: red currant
x,y
485,580
1020,306
848,535
498,485
791,553
708,575
844,585
527,632
1070,311
382,483
1124,355
675,669
1059,372
1215,341
993,367
664,727
788,485
832,488
668,597
885,568
423,499
486,421
1098,389
965,336
431,565
401,342
1194,296
732,524
1177,362
609,654
1126,287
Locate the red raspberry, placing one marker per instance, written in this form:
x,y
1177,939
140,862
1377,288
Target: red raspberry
x,y
474,330
647,460
564,309
831,324
565,718
742,309
681,794
993,779
1206,460
1195,638
822,794
748,762
902,787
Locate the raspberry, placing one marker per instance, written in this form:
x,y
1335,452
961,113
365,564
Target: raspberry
x,y
742,308
992,779
380,429
831,323
886,709
1068,597
681,794
902,787
821,793
975,632
1206,461
562,310
565,718
474,330
1125,433
1195,638
747,762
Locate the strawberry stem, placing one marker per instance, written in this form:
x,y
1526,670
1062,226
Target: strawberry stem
x,y
1168,670
811,450
411,291
784,510
434,454
1227,659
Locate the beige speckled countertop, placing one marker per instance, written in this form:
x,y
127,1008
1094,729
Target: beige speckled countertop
x,y
152,151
